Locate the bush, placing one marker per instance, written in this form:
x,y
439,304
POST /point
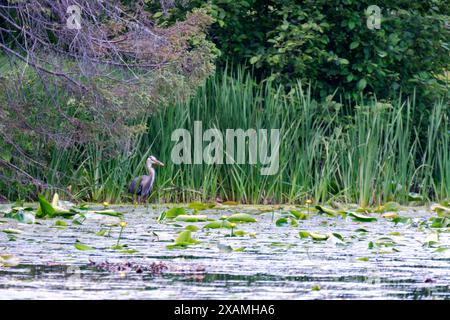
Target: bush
x,y
329,42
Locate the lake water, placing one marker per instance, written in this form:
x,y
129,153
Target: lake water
x,y
268,262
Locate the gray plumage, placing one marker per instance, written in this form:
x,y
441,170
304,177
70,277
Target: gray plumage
x,y
142,186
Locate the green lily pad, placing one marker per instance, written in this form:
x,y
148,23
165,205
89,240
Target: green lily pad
x,y
47,210
191,228
60,223
201,206
326,210
440,209
218,224
314,235
183,240
241,217
363,259
299,215
175,212
12,231
361,217
191,218
83,247
21,216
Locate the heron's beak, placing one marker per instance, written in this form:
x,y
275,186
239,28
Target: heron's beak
x,y
159,163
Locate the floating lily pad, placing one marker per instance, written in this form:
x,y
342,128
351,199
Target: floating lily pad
x,y
388,206
12,231
83,247
191,228
440,209
21,216
314,235
326,210
363,259
241,217
299,215
361,217
183,240
191,218
47,210
201,206
60,223
389,215
219,224
174,212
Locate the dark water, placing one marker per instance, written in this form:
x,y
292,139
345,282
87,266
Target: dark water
x,y
274,263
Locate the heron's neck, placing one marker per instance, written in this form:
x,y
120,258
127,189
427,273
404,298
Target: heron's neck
x,y
149,168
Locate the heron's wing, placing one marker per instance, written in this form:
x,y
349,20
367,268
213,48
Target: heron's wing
x,y
135,186
147,183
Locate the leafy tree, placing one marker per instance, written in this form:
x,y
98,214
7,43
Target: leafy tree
x,y
329,42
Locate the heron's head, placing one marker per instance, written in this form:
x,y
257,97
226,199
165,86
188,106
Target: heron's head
x,y
152,160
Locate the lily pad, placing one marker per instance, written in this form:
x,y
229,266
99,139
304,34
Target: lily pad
x,y
361,217
219,224
83,247
175,212
183,240
241,217
201,206
12,231
21,216
191,218
326,210
299,215
314,235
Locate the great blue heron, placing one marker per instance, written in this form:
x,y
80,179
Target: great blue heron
x,y
143,185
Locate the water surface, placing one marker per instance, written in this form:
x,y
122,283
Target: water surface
x,y
271,262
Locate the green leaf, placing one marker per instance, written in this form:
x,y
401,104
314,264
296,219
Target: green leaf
x,y
12,231
191,228
241,217
303,234
45,208
363,259
218,224
314,235
201,206
351,25
191,218
21,216
361,217
282,222
354,44
361,84
299,215
83,247
101,233
183,239
254,59
174,212
60,223
328,211
318,236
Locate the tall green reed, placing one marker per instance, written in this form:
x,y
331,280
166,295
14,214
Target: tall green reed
x,y
371,155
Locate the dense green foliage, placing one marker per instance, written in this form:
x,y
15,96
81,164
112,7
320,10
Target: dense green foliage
x,y
329,43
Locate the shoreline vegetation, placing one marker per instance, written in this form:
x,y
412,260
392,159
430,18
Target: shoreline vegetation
x,y
367,152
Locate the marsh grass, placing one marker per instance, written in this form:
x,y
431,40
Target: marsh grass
x,y
369,154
